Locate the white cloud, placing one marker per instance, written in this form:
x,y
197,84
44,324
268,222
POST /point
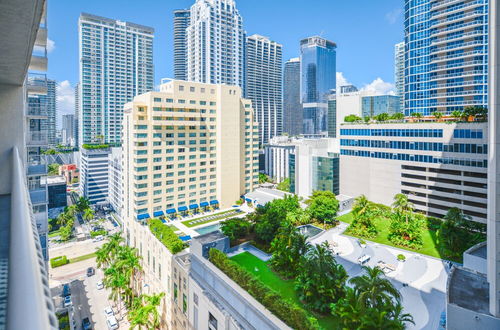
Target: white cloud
x,y
341,80
51,45
65,99
379,87
393,16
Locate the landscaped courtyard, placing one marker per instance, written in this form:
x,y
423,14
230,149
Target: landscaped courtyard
x,y
211,218
286,288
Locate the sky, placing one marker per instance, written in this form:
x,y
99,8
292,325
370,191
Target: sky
x,y
365,32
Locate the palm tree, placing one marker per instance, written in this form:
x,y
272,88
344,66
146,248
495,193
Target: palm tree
x,y
146,315
374,290
456,114
82,204
417,115
107,253
402,205
117,282
438,115
398,116
88,214
361,205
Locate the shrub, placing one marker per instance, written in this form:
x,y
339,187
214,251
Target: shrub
x,y
362,241
236,228
406,230
166,235
96,233
401,257
95,146
59,261
287,311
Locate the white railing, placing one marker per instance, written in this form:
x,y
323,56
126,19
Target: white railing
x,y
29,301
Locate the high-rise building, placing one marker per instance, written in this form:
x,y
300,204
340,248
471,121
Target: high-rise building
x,y
77,115
23,196
215,43
263,84
94,173
317,82
68,130
399,71
204,150
446,56
292,107
348,89
377,104
116,63
181,22
50,124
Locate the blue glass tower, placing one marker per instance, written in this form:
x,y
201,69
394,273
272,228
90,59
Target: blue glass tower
x,y
317,81
446,55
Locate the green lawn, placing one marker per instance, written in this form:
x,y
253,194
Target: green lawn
x,y
286,288
54,233
81,258
346,217
204,220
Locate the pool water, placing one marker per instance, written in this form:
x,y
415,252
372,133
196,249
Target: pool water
x,y
208,229
309,230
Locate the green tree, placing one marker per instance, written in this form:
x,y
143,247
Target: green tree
x,y
438,115
417,115
323,206
364,212
269,218
321,280
456,114
236,228
82,204
146,314
284,185
352,118
53,169
382,117
398,116
402,206
117,281
107,253
288,248
65,233
406,229
88,214
263,178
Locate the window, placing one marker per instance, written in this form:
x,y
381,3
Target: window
x,y
184,303
175,288
212,322
157,99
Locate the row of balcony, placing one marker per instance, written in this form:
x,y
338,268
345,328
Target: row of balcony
x,y
460,55
457,65
442,13
457,37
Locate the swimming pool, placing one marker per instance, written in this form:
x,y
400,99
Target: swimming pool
x,y
309,231
208,229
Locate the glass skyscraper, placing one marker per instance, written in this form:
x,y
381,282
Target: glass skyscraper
x,y
292,109
181,22
399,71
116,64
317,80
375,105
446,60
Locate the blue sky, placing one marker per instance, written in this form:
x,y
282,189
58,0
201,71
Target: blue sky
x,y
365,32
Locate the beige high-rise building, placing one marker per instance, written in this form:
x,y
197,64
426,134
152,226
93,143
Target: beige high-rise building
x,y
187,147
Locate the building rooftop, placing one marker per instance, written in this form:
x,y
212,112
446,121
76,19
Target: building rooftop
x,y
209,238
469,290
265,195
54,180
480,251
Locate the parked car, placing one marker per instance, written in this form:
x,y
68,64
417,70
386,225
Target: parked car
x,y
98,238
66,290
67,301
90,271
100,286
364,259
112,323
108,311
86,325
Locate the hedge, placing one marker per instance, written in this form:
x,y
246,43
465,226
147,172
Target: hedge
x,y
59,261
95,146
166,235
287,311
98,233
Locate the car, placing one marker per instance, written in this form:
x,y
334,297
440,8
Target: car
x,y
86,325
90,271
112,323
364,259
100,286
98,238
108,311
67,301
66,290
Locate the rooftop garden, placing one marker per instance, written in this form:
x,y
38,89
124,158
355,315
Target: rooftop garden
x,y
303,284
211,218
401,227
95,146
166,236
469,114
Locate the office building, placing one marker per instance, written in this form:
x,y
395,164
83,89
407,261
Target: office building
x,y
438,165
473,296
317,82
190,145
70,172
94,173
49,125
292,107
314,166
263,84
215,43
348,89
332,115
116,63
377,104
277,157
25,301
116,181
56,189
181,22
68,130
76,129
399,71
446,56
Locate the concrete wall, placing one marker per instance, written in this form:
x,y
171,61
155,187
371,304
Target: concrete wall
x,y
12,126
459,318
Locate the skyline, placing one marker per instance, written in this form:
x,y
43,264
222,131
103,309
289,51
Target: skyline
x,y
354,40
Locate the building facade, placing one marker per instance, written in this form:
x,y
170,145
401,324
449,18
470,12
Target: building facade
x,y
318,59
377,104
399,72
189,145
292,108
70,172
76,129
116,63
94,174
116,181
181,22
68,130
56,188
277,157
50,124
215,43
263,84
446,56
438,165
